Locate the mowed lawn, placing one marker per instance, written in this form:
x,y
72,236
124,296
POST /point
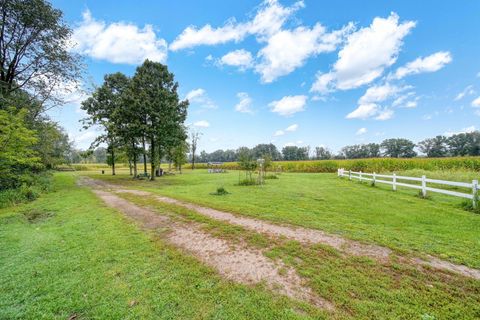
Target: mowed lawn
x,y
67,256
400,220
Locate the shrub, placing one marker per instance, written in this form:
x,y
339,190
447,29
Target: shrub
x,y
221,191
468,206
271,176
247,182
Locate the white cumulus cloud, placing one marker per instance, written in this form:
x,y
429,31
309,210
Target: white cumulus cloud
x,y
364,111
269,18
279,133
361,131
288,105
476,103
287,50
366,54
118,42
385,114
431,63
464,130
379,93
466,92
238,58
244,105
200,97
292,128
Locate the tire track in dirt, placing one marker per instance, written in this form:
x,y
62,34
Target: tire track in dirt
x,y
303,235
236,262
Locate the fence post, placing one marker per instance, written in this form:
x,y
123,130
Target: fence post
x,y
424,186
360,176
394,183
349,174
374,178
475,193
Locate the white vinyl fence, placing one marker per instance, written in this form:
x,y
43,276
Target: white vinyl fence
x,y
379,178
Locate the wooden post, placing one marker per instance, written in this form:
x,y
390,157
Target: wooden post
x,y
360,176
475,193
374,178
394,183
349,174
424,186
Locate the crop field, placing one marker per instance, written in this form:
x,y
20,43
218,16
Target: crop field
x,y
94,247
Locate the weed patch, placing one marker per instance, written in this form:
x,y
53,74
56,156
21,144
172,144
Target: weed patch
x,y
37,215
221,191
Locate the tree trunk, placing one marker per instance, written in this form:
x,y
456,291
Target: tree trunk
x,y
130,166
152,159
144,156
193,160
113,160
134,160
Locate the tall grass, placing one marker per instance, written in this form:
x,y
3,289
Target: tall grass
x,y
371,165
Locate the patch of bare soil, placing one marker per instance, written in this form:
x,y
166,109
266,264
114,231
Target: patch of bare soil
x,y
235,262
299,234
305,235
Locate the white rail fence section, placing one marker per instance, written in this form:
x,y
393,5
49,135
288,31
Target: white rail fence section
x,y
379,178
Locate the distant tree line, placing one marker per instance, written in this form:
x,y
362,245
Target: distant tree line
x,y
461,144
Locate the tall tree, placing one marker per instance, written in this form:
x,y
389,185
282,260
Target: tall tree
x,y
34,51
295,153
162,112
103,108
194,137
434,147
398,148
260,150
322,153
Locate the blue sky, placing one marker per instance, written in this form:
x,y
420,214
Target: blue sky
x,y
292,72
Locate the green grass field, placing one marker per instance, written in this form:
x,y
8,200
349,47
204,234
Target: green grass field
x,y
67,254
399,220
77,257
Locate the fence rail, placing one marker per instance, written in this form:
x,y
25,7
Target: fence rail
x,y
373,177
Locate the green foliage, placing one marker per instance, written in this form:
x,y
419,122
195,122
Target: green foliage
x,y
247,182
159,106
295,153
370,150
398,148
52,144
17,157
35,53
372,165
271,176
434,147
221,191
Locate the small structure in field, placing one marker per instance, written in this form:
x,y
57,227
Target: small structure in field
x,y
215,167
